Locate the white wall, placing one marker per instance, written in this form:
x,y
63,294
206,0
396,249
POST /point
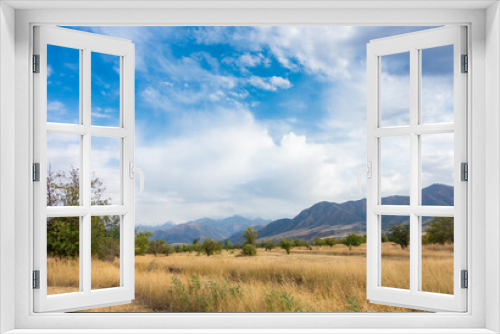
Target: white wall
x,y
492,165
7,59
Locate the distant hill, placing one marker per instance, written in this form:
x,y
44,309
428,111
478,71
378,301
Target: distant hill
x,y
155,228
217,229
328,219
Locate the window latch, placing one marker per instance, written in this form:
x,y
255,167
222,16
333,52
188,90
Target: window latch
x,y
132,171
368,171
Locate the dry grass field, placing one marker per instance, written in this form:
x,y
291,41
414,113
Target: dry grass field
x,y
324,279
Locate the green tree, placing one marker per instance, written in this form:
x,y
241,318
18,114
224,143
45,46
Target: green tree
x,y
168,249
228,245
249,250
353,240
63,237
440,230
400,234
210,247
196,240
330,241
269,245
250,235
142,242
319,242
384,237
286,244
105,237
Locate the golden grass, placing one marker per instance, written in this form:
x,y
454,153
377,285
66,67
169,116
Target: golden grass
x,y
325,279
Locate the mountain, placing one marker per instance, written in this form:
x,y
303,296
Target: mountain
x,y
217,229
155,228
327,219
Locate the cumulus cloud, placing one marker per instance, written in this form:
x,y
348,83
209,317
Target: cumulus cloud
x,y
271,84
226,162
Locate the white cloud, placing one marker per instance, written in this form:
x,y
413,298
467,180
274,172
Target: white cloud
x,y
271,84
56,108
226,162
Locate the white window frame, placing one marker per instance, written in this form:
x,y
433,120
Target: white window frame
x,y
483,100
413,43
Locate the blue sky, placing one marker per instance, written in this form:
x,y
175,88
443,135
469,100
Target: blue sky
x,y
256,121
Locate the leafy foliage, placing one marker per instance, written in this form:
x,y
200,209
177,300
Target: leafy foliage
x,y
353,239
400,234
439,231
249,250
210,247
250,235
286,244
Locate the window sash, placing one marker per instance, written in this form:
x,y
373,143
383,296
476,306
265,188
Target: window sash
x,y
414,298
87,43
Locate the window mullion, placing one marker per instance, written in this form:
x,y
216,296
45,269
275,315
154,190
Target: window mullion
x,y
414,169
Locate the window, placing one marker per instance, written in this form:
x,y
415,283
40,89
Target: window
x,y
75,218
482,44
417,126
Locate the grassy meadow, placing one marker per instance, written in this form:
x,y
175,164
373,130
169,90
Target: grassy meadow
x,y
324,279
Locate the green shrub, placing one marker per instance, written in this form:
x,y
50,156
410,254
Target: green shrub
x,y
249,250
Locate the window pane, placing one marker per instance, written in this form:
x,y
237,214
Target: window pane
x,y
63,255
437,254
105,248
105,167
395,170
105,89
63,84
437,152
63,170
437,85
395,89
395,251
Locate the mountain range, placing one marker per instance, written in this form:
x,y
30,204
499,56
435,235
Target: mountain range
x,y
323,219
216,229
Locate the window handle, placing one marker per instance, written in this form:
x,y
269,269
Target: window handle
x,y
368,171
132,171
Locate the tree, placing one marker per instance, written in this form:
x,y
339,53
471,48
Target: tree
x,y
353,240
384,237
228,245
196,240
63,233
400,234
142,242
269,245
168,249
330,241
250,234
249,250
210,247
319,242
286,244
440,230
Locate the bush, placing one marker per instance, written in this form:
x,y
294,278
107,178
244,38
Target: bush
x,y
286,244
210,247
400,234
440,230
269,245
353,240
249,250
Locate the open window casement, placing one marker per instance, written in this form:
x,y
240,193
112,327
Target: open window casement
x,y
74,211
414,131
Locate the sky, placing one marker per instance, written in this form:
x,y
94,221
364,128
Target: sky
x,y
251,121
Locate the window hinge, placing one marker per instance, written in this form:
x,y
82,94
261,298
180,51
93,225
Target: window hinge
x,y
36,279
36,172
36,63
464,171
465,64
465,279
